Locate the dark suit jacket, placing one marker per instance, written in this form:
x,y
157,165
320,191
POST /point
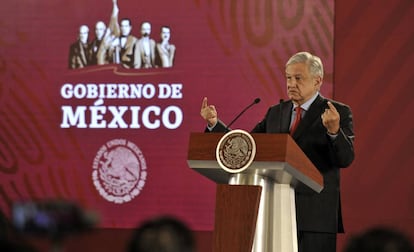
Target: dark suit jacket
x,y
317,212
78,55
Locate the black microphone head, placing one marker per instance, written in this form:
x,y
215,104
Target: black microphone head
x,y
257,100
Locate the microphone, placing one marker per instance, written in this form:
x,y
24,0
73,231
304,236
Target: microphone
x,y
257,100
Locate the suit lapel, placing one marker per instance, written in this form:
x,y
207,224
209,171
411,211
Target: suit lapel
x,y
286,115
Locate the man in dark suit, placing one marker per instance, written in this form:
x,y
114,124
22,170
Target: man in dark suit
x,y
78,51
325,134
104,36
119,50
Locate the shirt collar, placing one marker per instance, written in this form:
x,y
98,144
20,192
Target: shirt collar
x,y
307,104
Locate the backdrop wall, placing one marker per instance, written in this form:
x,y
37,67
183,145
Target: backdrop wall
x,y
44,156
373,55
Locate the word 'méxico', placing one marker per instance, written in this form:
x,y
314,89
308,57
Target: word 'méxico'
x,y
100,115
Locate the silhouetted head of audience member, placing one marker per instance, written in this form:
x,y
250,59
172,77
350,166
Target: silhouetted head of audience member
x,y
11,241
379,239
162,234
3,224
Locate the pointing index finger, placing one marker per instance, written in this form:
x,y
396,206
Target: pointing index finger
x,y
331,106
204,103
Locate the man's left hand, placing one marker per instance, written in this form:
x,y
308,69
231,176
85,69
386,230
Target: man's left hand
x,y
330,119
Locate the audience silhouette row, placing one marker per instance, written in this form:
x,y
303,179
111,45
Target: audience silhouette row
x,y
166,233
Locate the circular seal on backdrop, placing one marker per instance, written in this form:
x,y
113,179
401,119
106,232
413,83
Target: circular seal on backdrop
x,y
236,151
119,171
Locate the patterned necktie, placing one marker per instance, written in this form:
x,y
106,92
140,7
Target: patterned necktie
x,y
297,119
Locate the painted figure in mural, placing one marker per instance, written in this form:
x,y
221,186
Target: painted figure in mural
x,y
119,49
145,48
165,50
118,44
103,38
122,47
101,51
325,134
78,51
100,28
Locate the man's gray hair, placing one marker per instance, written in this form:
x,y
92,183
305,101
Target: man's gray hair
x,y
314,62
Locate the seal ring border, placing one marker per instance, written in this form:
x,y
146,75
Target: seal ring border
x,y
252,156
129,196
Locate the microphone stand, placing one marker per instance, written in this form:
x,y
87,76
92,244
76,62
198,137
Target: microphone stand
x,y
257,100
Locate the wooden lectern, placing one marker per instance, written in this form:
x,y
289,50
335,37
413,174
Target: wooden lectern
x,y
255,209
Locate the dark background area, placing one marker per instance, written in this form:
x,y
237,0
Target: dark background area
x,y
373,58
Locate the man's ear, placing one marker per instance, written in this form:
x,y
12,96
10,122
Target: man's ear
x,y
318,82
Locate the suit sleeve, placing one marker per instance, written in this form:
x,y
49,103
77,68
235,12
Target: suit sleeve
x,y
219,127
342,146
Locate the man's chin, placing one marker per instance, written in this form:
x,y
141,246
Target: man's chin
x,y
293,96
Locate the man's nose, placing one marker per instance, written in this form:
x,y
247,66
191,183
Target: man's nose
x,y
291,83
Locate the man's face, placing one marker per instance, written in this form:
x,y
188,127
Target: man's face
x,y
301,85
165,34
125,27
83,33
100,30
145,29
